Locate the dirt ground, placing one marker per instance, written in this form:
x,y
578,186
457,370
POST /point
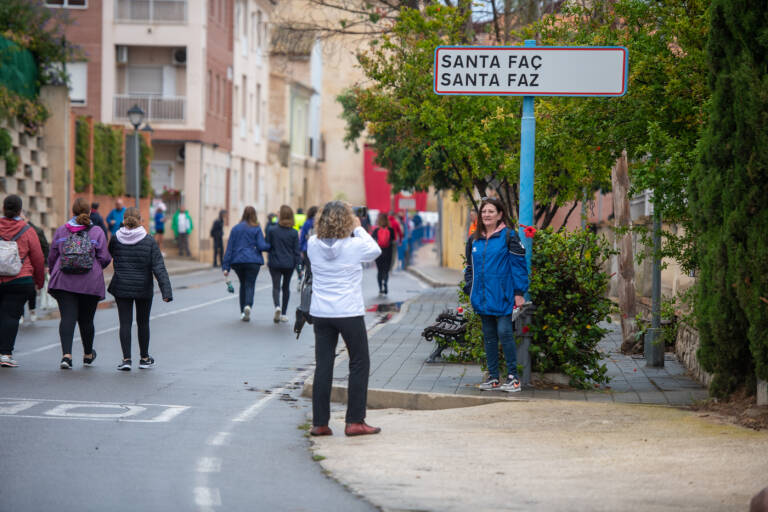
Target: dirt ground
x,y
739,408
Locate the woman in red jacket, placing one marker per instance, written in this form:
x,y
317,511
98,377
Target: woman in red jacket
x,y
16,286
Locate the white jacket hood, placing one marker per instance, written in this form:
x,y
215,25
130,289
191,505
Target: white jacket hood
x,y
337,273
131,236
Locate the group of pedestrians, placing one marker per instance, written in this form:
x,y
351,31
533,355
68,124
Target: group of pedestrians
x,y
79,252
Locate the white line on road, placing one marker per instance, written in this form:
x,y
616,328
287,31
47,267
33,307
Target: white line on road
x,y
209,465
161,315
254,409
207,497
220,439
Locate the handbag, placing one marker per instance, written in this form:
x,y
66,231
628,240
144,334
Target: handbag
x,y
305,292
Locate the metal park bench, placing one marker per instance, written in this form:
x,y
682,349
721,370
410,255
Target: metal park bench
x,y
449,326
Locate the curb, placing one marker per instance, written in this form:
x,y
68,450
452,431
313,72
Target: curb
x,y
427,279
413,400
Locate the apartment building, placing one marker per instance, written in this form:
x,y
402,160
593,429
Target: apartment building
x,y
198,70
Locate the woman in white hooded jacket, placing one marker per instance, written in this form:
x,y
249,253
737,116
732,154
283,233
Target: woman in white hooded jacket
x,y
336,254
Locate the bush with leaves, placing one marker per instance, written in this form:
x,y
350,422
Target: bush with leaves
x,y
108,174
82,155
569,288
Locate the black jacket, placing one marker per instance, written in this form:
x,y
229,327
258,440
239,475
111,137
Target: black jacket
x,y
134,266
98,220
217,230
44,245
284,251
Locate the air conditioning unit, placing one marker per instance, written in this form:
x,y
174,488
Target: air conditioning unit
x,y
180,154
121,54
179,56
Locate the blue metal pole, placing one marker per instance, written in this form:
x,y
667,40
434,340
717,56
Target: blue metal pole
x,y
527,158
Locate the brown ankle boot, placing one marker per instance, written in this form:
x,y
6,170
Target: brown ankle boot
x,y
360,429
323,430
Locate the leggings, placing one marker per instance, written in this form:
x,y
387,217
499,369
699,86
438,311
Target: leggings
x,y
12,299
277,274
125,312
76,308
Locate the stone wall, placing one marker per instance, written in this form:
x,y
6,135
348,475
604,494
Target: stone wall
x,y
686,345
32,180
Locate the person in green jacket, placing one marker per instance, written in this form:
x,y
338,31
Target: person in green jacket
x,y
182,227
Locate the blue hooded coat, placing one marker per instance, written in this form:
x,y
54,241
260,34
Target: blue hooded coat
x,y
496,271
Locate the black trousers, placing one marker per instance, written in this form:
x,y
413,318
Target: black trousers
x,y
218,251
382,272
12,299
76,308
125,313
352,330
277,274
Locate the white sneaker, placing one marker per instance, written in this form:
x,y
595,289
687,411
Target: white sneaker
x,y
32,316
278,312
283,318
21,321
246,316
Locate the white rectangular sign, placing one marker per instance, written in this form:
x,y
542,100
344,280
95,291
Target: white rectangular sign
x,y
531,70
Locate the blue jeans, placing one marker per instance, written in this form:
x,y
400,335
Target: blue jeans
x,y
495,329
246,274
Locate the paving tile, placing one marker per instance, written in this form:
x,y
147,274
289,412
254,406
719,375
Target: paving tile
x,y
629,397
595,396
653,397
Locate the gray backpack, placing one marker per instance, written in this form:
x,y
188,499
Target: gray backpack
x,y
10,261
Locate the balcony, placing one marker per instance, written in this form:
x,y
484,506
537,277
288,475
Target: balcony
x,y
151,11
157,109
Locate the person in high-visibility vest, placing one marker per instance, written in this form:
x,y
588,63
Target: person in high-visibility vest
x,y
299,218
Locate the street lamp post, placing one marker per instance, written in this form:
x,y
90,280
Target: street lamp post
x,y
136,117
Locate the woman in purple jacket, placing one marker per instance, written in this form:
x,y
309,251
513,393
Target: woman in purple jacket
x,y
77,260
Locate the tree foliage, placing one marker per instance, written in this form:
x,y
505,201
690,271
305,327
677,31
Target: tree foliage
x,y
728,199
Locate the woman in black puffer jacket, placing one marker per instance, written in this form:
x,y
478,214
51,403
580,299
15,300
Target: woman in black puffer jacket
x,y
136,257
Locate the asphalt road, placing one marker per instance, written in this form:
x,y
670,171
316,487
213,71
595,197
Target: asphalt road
x,y
214,426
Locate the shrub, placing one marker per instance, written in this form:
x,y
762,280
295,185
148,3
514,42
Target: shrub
x,y
82,155
108,174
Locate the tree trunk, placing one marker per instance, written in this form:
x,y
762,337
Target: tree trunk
x,y
627,307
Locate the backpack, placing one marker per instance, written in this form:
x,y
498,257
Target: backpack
x,y
77,253
10,260
383,238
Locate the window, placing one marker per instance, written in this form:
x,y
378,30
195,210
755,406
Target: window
x,y
237,20
78,82
218,94
75,4
259,29
208,85
145,81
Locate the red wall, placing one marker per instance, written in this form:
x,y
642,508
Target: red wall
x,y
378,193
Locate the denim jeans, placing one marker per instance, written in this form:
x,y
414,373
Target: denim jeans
x,y
495,329
247,274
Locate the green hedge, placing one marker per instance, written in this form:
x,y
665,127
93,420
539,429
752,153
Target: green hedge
x,y
6,153
108,174
82,155
728,200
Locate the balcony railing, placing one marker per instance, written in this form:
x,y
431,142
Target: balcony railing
x,y
156,108
151,11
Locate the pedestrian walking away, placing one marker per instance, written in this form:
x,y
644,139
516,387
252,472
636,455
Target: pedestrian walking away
x,y
21,271
385,237
115,217
337,308
217,234
136,259
77,259
97,220
495,267
45,247
182,226
159,228
284,257
243,255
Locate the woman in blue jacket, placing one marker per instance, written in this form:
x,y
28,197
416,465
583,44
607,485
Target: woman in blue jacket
x,y
497,276
243,255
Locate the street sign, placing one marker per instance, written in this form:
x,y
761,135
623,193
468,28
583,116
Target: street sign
x,y
406,203
531,70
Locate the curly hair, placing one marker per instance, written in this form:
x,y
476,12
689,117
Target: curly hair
x,y
336,220
132,218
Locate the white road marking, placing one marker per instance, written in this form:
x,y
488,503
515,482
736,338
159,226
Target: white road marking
x,y
161,315
66,411
254,409
220,439
209,465
147,413
207,497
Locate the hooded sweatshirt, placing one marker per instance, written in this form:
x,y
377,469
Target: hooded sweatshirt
x,y
29,251
136,259
337,273
91,283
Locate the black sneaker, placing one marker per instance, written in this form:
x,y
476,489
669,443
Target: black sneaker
x,y
149,362
512,385
125,365
490,384
88,361
66,363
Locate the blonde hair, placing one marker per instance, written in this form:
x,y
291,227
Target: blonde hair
x,y
82,211
132,218
336,221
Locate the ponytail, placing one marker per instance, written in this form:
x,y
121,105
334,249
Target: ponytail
x,y
82,211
